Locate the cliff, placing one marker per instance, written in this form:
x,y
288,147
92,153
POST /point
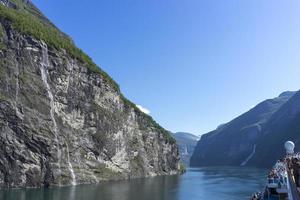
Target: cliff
x,y
186,143
255,138
62,119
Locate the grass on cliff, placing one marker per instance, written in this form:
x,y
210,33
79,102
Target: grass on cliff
x,y
29,24
18,3
2,45
182,168
26,23
146,119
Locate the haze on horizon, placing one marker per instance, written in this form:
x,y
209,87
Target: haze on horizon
x,y
192,64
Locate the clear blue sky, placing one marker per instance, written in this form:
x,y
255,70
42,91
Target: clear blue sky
x,y
193,63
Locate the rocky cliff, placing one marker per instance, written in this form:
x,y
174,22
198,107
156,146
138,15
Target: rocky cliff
x,y
255,138
186,143
62,119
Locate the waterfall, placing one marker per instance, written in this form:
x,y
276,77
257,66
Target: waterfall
x,y
17,89
250,156
44,64
186,150
70,166
95,178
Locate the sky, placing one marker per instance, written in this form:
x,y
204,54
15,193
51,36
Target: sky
x,y
190,64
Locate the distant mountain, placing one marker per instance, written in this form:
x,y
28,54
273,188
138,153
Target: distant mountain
x,y
255,138
186,143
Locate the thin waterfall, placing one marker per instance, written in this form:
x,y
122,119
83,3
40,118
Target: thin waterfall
x,y
44,64
186,150
17,89
95,178
250,156
70,166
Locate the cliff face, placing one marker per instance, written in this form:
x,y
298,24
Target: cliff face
x,y
283,125
251,139
64,122
186,144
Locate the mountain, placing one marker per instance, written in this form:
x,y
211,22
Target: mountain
x,y
186,143
62,119
255,138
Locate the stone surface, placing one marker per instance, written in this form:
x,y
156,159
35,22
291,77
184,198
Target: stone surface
x,y
61,124
255,138
186,143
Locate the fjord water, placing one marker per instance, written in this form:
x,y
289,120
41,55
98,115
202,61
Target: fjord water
x,y
213,183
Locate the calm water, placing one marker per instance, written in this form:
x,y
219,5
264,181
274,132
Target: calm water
x,y
226,183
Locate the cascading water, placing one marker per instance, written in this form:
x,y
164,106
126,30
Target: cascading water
x,y
70,166
44,64
17,90
250,156
17,87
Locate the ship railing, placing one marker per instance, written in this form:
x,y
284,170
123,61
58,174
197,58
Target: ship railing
x,y
292,187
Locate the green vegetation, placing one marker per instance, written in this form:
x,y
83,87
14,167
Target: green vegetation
x,y
106,173
147,119
3,97
2,45
24,77
137,165
1,31
3,64
182,168
28,24
18,3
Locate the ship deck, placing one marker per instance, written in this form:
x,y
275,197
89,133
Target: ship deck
x,y
282,180
293,190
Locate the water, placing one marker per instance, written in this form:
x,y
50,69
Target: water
x,y
250,156
44,64
214,183
70,166
17,87
17,74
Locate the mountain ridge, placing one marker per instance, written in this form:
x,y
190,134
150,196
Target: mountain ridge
x,y
234,142
186,143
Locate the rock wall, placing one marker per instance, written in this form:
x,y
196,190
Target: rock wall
x,y
252,139
62,124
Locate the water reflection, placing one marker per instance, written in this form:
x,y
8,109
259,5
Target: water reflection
x,y
203,183
226,183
